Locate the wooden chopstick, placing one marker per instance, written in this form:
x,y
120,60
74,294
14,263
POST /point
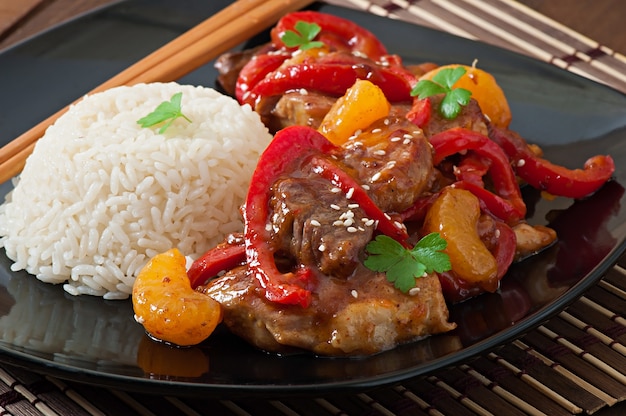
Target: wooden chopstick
x,y
226,29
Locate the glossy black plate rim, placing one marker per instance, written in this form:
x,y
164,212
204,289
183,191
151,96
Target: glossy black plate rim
x,y
63,370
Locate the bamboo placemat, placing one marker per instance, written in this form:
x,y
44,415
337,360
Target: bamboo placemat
x,y
573,364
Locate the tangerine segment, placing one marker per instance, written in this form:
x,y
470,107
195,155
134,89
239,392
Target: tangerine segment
x,y
166,305
362,104
485,90
454,215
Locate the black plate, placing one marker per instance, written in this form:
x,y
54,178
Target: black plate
x,y
95,341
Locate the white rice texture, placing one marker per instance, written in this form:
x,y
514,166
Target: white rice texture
x,y
101,195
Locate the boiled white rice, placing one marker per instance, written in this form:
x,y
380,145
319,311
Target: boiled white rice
x,y
100,195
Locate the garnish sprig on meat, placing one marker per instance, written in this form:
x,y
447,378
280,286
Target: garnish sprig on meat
x,y
442,83
403,265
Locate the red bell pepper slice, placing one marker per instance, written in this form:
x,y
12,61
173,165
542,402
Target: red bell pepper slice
x,y
348,185
255,70
554,179
504,251
336,32
289,146
332,78
420,112
220,258
508,203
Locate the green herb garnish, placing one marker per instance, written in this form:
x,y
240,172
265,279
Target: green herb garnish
x,y
166,112
403,265
303,36
442,83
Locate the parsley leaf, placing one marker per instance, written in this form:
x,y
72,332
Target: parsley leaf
x,y
166,112
442,83
303,36
403,265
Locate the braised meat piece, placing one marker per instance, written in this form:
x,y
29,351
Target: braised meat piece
x,y
316,224
299,107
398,168
471,117
361,315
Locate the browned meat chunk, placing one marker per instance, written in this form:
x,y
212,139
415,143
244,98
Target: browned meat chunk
x,y
317,225
398,169
361,315
470,117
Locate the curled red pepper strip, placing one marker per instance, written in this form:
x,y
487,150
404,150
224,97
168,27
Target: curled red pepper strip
x,y
289,146
420,112
472,168
504,251
508,196
222,257
329,78
356,193
336,32
554,179
499,207
255,70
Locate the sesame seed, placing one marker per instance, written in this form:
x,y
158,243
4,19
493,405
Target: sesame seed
x,y
497,233
387,216
376,176
315,223
353,206
379,152
335,207
375,131
521,163
303,91
338,223
357,144
354,294
351,230
414,291
349,193
399,225
335,190
395,139
348,222
386,122
366,187
391,164
268,227
406,141
407,136
369,223
358,132
322,248
361,228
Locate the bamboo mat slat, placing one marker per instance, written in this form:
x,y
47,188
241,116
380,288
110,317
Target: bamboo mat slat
x,y
573,364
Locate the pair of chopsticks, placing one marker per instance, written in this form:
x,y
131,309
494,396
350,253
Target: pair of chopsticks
x,y
228,28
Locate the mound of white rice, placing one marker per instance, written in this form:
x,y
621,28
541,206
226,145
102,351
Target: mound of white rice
x,y
100,195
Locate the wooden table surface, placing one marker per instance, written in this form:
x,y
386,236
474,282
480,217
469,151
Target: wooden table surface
x,y
601,20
